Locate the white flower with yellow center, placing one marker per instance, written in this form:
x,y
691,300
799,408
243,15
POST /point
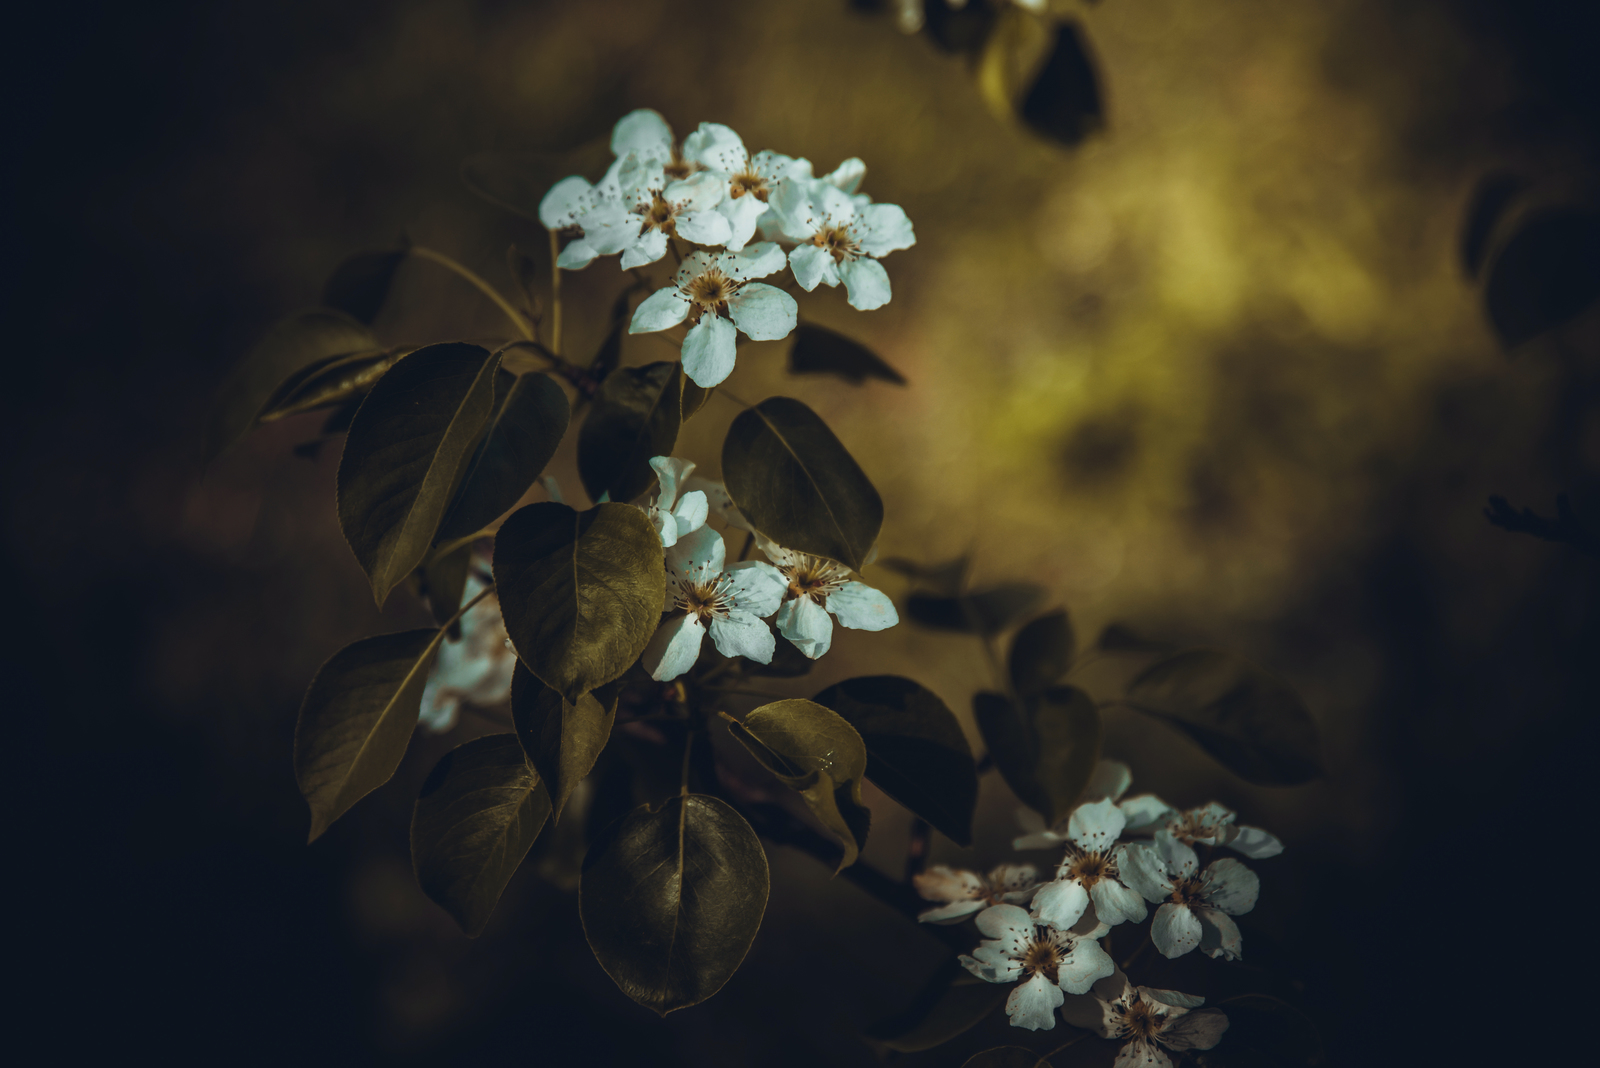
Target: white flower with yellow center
x,y
965,892
752,182
1197,907
1091,872
817,588
730,602
1111,779
1042,961
473,669
596,214
841,239
1211,825
676,511
1151,1021
715,292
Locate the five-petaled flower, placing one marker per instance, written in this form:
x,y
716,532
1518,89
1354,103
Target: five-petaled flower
x,y
1091,872
965,892
753,182
817,587
676,511
1197,907
715,292
841,240
729,601
1046,960
1148,1019
473,669
1111,779
1211,824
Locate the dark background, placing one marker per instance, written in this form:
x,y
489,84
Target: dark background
x,y
155,674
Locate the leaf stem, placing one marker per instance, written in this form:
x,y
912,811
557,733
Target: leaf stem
x,y
555,295
683,780
483,287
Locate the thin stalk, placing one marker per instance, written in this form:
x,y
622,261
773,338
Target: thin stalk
x,y
483,287
688,747
555,295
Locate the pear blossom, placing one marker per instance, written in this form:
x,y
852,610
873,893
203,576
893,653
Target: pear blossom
x,y
676,511
729,601
1211,824
1110,779
841,239
715,291
965,892
474,668
1149,1019
1047,961
1091,872
818,588
1197,907
752,182
722,504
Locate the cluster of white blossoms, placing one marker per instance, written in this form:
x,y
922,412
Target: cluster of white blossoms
x,y
474,668
711,191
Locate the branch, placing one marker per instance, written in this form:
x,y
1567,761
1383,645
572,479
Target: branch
x,y
1563,528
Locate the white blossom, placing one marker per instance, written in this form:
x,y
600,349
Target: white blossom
x,y
1043,961
676,511
752,183
474,668
1091,872
1211,824
1110,779
1197,907
715,291
1148,1019
722,504
729,601
841,239
818,588
965,892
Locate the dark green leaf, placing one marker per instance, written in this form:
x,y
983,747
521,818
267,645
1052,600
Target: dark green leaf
x,y
335,381
819,351
957,1008
562,740
581,591
293,345
1064,103
815,751
672,897
1494,194
405,454
1012,746
609,356
1041,653
1045,748
694,396
1005,1057
480,810
915,749
1117,638
517,181
528,424
795,482
958,27
987,611
635,416
360,285
1546,274
444,577
357,719
1252,723
944,579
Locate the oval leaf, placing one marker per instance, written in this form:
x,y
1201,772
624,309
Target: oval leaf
x,y
815,751
356,720
1041,653
360,285
987,611
916,752
1045,748
671,898
1065,102
581,591
1011,745
404,455
562,741
820,351
635,416
1546,274
335,381
529,421
1251,723
480,810
795,482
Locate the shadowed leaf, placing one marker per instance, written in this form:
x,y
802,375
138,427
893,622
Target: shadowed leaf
x,y
1041,653
562,741
517,181
944,579
957,27
335,381
609,356
444,577
1119,638
360,285
693,396
1064,102
1045,748
529,421
635,416
1546,274
1494,194
987,611
819,351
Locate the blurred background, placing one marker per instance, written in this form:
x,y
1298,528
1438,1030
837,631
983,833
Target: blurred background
x,y
1216,363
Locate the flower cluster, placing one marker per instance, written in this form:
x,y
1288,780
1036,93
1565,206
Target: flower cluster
x,y
474,668
709,190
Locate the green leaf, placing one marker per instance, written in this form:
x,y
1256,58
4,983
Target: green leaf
x,y
944,579
814,751
635,416
357,719
1013,54
1041,653
1005,1057
916,752
444,577
335,381
480,810
1045,748
987,611
1250,722
405,453
795,482
693,396
293,345
819,351
609,356
672,897
954,1009
581,592
562,740
1065,103
360,285
529,421
1547,273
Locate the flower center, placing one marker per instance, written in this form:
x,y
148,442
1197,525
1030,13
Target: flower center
x,y
1140,1019
708,600
659,215
838,241
1190,891
1043,957
677,168
710,291
1089,868
814,577
748,181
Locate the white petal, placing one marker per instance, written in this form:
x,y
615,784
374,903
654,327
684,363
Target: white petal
x,y
643,130
709,351
691,513
577,255
704,227
807,624
716,146
666,526
1038,840
561,205
954,912
1090,1013
847,175
1140,1053
884,228
866,281
1195,1030
742,214
1173,998
1111,779
1085,963
700,192
742,634
640,177
1141,868
811,265
671,472
1060,903
763,312
944,883
1006,922
756,261
1145,811
694,265
697,557
756,587
993,971
1014,878
1115,903
1175,930
1033,1004
552,489
674,649
439,707
650,246
1255,843
660,310
1096,825
1231,886
1180,860
798,218
860,607
1219,935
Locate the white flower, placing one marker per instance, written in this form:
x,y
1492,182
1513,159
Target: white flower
x,y
1149,1019
1047,960
676,511
722,504
714,291
1111,778
841,240
817,587
1092,871
752,182
475,668
1197,906
965,892
1207,825
729,601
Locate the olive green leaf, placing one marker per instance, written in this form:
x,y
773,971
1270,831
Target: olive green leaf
x,y
635,416
671,899
1012,56
334,381
295,344
819,351
479,812
1006,1057
444,577
405,453
581,591
562,740
948,1008
360,285
357,718
986,611
1250,722
608,357
814,751
916,752
1041,653
529,421
693,397
795,482
1045,747
1038,69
